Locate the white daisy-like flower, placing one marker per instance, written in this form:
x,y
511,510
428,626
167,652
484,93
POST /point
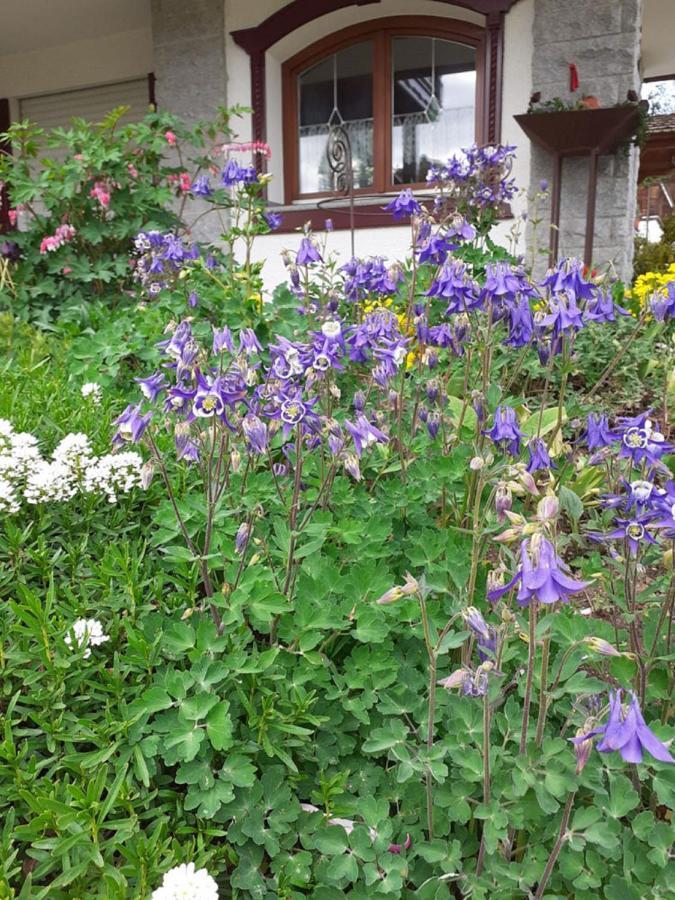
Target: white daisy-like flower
x,y
74,451
9,502
49,481
113,473
92,390
86,633
184,882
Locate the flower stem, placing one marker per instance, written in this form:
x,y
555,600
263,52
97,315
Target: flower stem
x,y
557,847
543,696
431,711
531,655
486,775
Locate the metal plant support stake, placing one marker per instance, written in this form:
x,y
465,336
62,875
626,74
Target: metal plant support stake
x,y
339,153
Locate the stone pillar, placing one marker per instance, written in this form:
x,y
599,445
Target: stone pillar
x,y
191,77
602,37
189,57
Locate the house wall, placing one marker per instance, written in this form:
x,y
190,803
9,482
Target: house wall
x,y
603,40
120,56
391,241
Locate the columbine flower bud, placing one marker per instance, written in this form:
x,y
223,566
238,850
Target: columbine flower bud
x,y
235,460
529,483
147,471
503,500
600,645
477,463
548,508
475,621
411,586
241,538
455,679
582,750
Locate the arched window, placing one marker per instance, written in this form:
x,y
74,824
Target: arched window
x,y
409,91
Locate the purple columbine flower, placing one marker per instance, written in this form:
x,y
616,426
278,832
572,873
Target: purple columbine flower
x,y
242,538
231,174
633,531
307,253
603,309
454,284
222,340
152,386
364,434
273,220
641,441
130,426
627,732
433,424
662,306
208,400
568,277
193,299
201,187
186,447
486,635
505,432
248,342
542,575
598,433
255,432
404,205
539,456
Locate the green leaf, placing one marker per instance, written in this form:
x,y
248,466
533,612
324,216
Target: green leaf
x,y
198,707
331,840
622,796
219,727
570,502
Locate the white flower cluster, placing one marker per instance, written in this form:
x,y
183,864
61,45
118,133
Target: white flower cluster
x,y
92,391
86,633
186,883
73,468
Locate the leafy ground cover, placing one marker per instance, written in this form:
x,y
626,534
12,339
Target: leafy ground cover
x,y
383,601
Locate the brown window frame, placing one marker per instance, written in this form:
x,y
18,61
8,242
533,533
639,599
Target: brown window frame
x,y
381,32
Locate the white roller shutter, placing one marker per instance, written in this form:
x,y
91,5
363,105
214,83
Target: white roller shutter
x,y
56,110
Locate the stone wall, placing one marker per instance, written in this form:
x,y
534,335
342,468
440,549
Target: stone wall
x,y
191,76
189,57
602,37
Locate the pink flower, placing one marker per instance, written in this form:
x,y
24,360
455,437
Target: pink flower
x,y
101,192
66,270
12,215
133,171
78,156
62,235
170,137
184,182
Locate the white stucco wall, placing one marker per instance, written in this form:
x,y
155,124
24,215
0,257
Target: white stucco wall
x,y
84,63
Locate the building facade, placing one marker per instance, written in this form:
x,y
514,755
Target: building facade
x,y
411,81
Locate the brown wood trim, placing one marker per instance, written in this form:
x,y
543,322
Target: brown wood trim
x,y
299,12
371,215
492,117
5,147
428,26
381,31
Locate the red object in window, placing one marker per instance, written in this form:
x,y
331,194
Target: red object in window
x,y
574,77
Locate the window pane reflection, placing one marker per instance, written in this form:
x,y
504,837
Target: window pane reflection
x,y
336,91
434,100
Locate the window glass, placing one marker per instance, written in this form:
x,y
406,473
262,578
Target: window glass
x,y
336,91
434,99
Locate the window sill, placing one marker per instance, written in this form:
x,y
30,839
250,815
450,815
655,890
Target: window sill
x,y
367,214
